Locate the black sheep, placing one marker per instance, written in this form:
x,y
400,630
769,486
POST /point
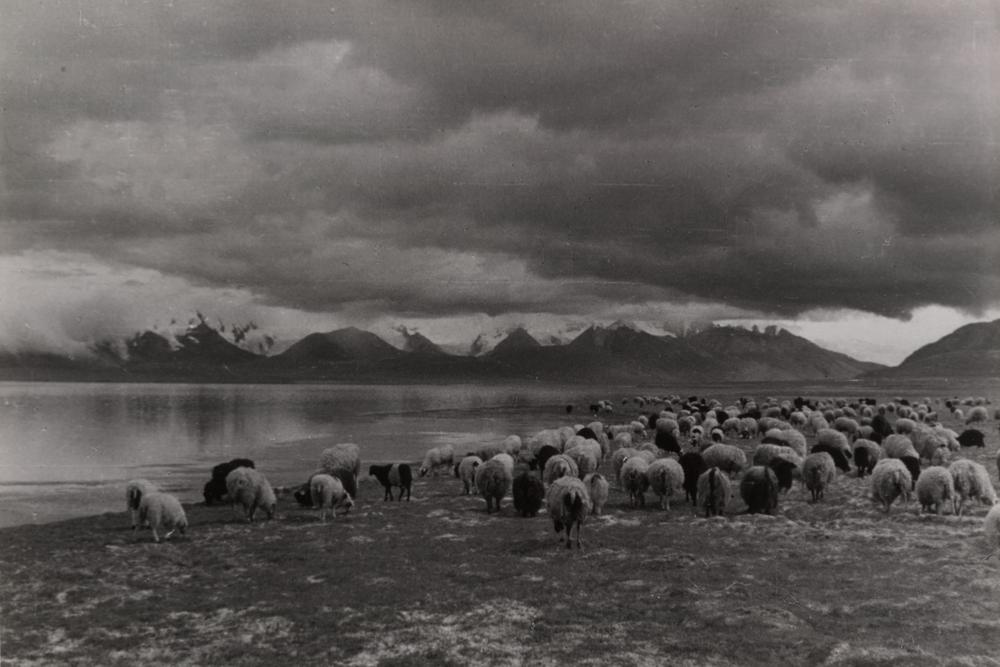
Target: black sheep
x,y
839,457
528,492
971,437
667,442
784,470
912,464
693,465
863,461
303,495
215,488
393,474
545,453
588,433
759,490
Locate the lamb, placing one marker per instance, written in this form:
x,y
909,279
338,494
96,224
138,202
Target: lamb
x,y
303,495
818,472
345,456
438,457
493,479
162,510
328,493
528,492
694,465
666,478
248,487
728,458
759,490
890,480
568,503
971,481
215,488
393,474
934,487
634,481
558,466
713,492
866,454
466,471
972,437
134,491
597,487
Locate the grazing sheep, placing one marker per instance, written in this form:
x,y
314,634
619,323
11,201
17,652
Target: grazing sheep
x,y
905,426
393,474
934,487
507,460
568,503
489,450
162,510
836,453
926,441
866,454
303,495
971,481
972,437
436,458
134,491
790,437
328,493
634,481
618,459
558,466
818,472
666,478
528,492
597,487
493,479
714,491
977,414
466,471
694,465
215,488
345,456
748,428
728,458
890,480
941,456
248,487
834,439
586,455
759,490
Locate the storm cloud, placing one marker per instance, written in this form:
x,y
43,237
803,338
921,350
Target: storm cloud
x,y
430,159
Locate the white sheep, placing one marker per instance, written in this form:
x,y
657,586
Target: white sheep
x,y
634,481
934,487
162,510
328,493
926,441
728,458
972,482
436,458
714,491
619,455
507,460
666,478
890,480
134,492
466,471
558,466
794,439
905,426
249,488
493,480
991,529
818,472
584,458
568,503
835,439
344,456
512,445
977,414
597,487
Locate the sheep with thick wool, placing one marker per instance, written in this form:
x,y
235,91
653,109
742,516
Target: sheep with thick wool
x,y
977,414
162,510
866,455
759,490
934,488
249,488
972,482
890,480
618,458
328,494
493,479
568,503
693,465
465,470
135,489
818,472
346,456
666,479
528,492
991,529
437,458
597,487
714,491
558,466
634,480
728,458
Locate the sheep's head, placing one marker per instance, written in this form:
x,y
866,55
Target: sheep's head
x,y
423,470
347,503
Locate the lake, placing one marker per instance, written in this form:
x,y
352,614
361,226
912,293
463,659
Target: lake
x,y
67,449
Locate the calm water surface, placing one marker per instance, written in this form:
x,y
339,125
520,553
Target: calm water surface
x,y
66,449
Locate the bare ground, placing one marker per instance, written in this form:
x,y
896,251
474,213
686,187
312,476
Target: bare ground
x,y
437,581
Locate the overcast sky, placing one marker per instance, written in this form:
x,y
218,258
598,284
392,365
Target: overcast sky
x,y
459,166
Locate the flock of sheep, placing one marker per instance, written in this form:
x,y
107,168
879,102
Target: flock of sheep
x,y
677,452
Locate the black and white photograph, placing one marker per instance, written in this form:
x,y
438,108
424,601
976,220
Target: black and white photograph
x,y
634,332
